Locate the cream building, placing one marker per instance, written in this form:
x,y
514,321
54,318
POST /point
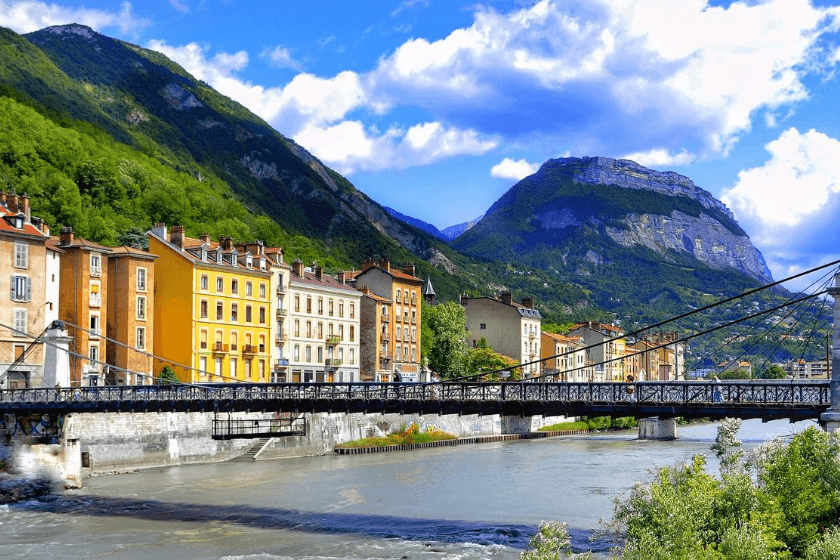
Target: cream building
x,y
510,328
324,328
565,358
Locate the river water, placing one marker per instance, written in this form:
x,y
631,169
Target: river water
x,y
467,502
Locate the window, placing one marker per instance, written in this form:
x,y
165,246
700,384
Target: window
x,y
95,265
309,305
205,281
203,339
297,327
202,365
262,315
247,313
341,309
262,290
352,310
220,284
220,311
296,353
141,307
234,312
262,369
413,334
483,326
234,341
398,297
21,288
233,368
202,307
320,354
297,304
413,354
234,286
320,330
320,306
21,255
249,288
341,332
248,369
352,333
331,308
405,296
20,322
308,353
309,329
352,356
93,354
141,280
94,325
262,343
399,332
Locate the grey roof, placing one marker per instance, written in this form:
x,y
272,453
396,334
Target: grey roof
x,y
428,290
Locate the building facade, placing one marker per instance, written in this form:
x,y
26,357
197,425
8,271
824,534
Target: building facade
x,y
606,351
280,273
403,288
510,328
83,305
31,302
131,317
324,327
376,334
564,358
211,308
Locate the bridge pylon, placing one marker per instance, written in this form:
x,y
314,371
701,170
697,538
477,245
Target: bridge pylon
x,y
830,419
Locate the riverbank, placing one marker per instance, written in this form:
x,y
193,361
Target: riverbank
x,y
457,441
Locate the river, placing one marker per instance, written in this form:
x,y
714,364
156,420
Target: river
x,y
467,502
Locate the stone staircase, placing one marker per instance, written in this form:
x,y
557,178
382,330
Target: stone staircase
x,y
254,451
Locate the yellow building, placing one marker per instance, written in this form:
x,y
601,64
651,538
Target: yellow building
x,y
212,303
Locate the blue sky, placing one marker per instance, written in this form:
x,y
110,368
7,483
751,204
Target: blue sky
x,y
437,107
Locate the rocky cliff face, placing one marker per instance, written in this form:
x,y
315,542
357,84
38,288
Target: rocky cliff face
x,y
631,175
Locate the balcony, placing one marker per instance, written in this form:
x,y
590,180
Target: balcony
x,y
398,318
281,289
385,356
386,319
385,337
95,332
280,313
96,271
414,320
95,300
219,348
531,336
280,338
333,340
333,362
281,363
249,349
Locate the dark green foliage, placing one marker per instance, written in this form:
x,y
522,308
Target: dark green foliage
x,y
167,376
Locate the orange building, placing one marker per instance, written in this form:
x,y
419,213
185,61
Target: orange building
x,y
83,304
131,277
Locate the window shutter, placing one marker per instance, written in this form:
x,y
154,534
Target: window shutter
x,y
12,286
29,289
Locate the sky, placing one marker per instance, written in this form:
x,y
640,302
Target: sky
x,y
437,107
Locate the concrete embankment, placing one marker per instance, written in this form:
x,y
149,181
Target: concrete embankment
x,y
119,442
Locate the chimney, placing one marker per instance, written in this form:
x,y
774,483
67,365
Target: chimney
x,y
12,202
340,276
367,264
24,203
226,243
506,297
3,197
319,272
528,302
256,247
464,299
160,231
385,263
205,237
177,236
66,237
409,268
297,268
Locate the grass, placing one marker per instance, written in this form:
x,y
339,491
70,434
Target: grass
x,y
597,423
581,425
405,436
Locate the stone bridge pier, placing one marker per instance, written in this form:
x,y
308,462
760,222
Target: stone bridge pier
x,y
658,428
830,420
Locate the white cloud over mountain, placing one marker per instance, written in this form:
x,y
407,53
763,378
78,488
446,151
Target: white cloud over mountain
x,y
25,17
513,169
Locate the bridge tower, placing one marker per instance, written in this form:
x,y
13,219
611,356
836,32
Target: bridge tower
x,y
830,420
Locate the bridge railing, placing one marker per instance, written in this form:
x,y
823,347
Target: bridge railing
x,y
729,392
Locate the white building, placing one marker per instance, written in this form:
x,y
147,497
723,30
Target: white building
x,y
323,327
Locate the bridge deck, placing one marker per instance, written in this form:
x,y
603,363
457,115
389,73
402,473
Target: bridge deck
x,y
769,400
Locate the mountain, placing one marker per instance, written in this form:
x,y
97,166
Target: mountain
x,y
110,137
623,232
453,232
419,224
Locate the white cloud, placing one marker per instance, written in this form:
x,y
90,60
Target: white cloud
x,y
660,157
795,183
350,147
513,169
180,6
281,57
25,17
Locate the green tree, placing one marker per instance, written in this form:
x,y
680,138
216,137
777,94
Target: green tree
x,y
775,371
483,359
167,376
448,355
